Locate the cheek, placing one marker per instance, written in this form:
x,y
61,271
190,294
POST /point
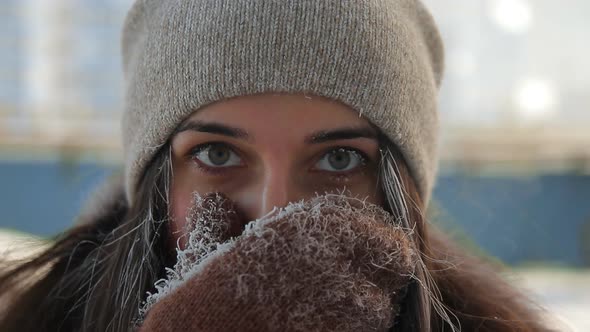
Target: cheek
x,y
368,187
372,193
376,192
180,202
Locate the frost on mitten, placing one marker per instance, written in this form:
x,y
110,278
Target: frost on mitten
x,y
332,263
211,222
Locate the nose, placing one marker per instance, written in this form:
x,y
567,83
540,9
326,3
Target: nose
x,y
275,193
274,189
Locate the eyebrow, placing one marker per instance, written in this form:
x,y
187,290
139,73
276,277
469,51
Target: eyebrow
x,y
341,133
213,128
321,136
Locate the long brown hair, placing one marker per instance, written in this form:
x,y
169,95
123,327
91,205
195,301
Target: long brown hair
x,y
95,276
453,290
97,272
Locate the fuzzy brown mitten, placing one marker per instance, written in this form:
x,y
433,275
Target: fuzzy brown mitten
x,y
328,264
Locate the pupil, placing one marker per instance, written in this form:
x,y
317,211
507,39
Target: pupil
x,y
339,159
218,155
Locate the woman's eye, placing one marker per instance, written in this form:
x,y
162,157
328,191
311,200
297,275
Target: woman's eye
x,y
340,160
216,155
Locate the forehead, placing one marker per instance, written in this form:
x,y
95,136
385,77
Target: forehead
x,y
268,111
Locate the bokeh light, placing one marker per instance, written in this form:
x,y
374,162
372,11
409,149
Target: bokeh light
x,y
536,98
514,16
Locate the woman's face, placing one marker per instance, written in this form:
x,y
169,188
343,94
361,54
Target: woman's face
x,y
264,151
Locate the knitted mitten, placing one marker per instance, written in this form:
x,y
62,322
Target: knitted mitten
x,y
331,263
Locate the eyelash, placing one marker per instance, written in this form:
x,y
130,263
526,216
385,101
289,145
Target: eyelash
x,y
337,176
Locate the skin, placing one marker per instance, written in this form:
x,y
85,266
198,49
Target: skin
x,y
269,159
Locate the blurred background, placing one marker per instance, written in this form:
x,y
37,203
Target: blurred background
x,y
514,182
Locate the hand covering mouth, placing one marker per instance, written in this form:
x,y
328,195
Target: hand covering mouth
x,y
329,263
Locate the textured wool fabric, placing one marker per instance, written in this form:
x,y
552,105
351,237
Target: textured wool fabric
x,y
382,58
331,263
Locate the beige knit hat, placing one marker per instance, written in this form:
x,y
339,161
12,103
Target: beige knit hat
x,y
383,58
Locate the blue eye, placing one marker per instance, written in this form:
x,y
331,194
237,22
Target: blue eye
x,y
216,155
341,160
